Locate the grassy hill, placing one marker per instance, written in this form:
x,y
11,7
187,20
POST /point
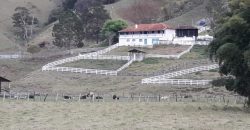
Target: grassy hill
x,y
40,8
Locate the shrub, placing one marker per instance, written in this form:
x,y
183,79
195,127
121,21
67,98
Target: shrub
x,y
33,49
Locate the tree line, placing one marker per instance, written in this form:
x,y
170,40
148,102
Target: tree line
x,y
76,21
231,47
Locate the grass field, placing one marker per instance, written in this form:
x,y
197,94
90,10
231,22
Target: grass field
x,y
160,50
208,75
75,116
197,52
97,64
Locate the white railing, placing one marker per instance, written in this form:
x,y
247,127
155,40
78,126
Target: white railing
x,y
125,66
81,70
84,56
96,56
185,71
10,56
177,82
166,77
178,56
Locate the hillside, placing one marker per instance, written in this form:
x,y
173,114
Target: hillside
x,y
40,8
156,10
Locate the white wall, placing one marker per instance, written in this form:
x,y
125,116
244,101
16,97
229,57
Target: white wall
x,y
139,39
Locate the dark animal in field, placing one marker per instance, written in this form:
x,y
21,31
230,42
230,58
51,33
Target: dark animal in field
x,y
98,97
90,94
67,97
115,97
188,96
83,97
31,96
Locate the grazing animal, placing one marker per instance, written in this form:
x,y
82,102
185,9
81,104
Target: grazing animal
x,y
165,98
90,94
67,97
83,97
188,96
115,97
31,96
98,97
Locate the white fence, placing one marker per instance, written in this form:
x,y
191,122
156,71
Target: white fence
x,y
177,82
166,77
178,56
94,56
126,65
82,70
10,56
83,56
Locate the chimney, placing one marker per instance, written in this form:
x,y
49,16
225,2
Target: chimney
x,y
136,26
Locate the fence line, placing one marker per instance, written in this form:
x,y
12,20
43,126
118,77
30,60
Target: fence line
x,y
171,97
177,82
125,66
10,56
166,77
178,56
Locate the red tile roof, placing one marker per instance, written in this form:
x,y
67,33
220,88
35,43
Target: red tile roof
x,y
147,27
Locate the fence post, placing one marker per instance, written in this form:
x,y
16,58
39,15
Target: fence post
x,y
56,97
139,97
45,97
80,97
3,96
28,98
159,98
176,98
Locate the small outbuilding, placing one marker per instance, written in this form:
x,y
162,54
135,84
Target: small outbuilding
x,y
186,31
136,54
3,80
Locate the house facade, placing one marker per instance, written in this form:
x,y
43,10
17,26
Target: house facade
x,y
146,34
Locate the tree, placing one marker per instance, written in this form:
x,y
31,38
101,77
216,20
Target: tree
x,y
111,29
93,15
68,4
231,48
68,31
24,23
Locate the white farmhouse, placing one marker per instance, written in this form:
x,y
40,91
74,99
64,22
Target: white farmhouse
x,y
146,34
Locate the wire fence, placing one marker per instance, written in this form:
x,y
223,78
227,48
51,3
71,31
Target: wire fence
x,y
82,97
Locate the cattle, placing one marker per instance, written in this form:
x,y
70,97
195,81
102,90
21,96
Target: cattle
x,y
67,97
83,97
166,98
115,97
98,97
90,94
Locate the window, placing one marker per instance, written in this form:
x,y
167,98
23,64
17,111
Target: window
x,y
128,40
140,40
159,32
133,40
145,32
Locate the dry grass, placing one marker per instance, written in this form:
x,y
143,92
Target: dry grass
x,y
197,52
97,64
75,116
207,75
160,50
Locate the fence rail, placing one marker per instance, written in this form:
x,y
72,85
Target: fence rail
x,y
94,55
171,97
166,77
177,82
10,56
